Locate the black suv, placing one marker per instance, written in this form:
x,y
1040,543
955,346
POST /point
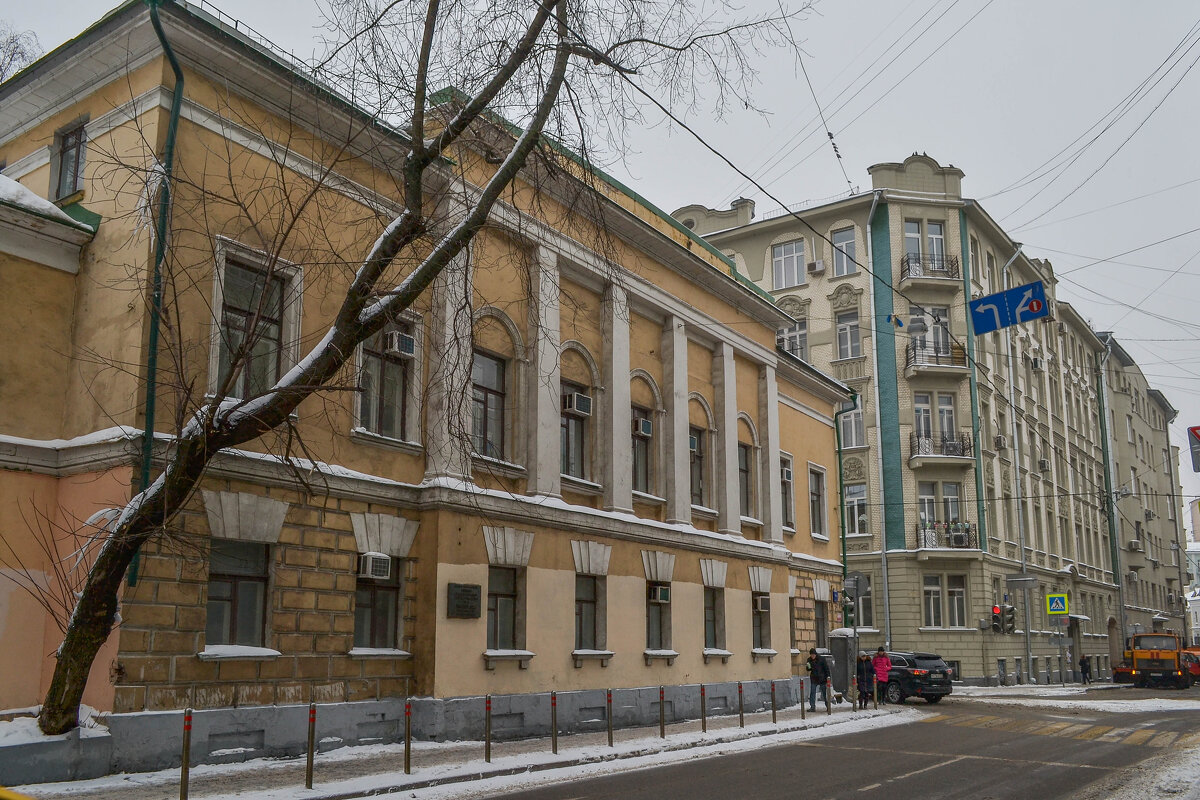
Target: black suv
x,y
917,675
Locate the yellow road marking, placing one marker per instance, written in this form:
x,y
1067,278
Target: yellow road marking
x,y
1140,737
936,718
1164,739
978,722
1189,740
1094,732
1115,735
1074,730
1051,729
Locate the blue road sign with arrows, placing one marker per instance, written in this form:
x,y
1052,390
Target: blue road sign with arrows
x,y
1011,307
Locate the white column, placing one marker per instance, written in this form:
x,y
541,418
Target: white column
x,y
770,500
729,512
616,449
543,378
675,431
447,413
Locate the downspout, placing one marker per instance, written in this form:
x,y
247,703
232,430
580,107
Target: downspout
x,y
1019,498
160,254
1114,548
887,614
837,430
976,428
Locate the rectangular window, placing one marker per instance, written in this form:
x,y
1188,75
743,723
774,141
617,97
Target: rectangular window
x,y
642,421
658,616
821,623
376,609
912,241
71,147
794,339
923,415
936,237
933,601
487,405
816,502
787,492
787,261
745,483
714,618
939,330
1129,428
696,465
956,597
862,605
856,508
848,342
927,502
502,608
853,432
586,599
974,263
251,330
843,252
573,436
951,508
945,404
384,386
760,620
237,592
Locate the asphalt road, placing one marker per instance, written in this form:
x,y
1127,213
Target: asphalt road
x,y
958,750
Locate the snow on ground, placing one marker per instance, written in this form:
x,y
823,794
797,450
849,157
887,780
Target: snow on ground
x,y
24,730
535,768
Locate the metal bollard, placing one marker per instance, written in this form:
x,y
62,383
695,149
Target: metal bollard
x,y
828,696
741,708
407,737
554,723
185,763
487,728
803,702
662,713
609,716
312,744
703,710
875,691
774,709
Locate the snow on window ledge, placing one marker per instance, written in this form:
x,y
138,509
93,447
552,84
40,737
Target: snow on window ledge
x,y
661,655
581,485
378,652
370,437
603,656
230,652
704,512
716,652
650,499
763,652
752,521
522,657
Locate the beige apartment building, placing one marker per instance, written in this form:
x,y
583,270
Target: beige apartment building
x,y
638,489
973,466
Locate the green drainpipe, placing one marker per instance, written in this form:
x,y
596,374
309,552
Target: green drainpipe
x,y
837,430
976,429
160,254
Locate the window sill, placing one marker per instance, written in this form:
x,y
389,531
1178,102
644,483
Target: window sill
x,y
796,652
603,656
752,522
858,536
580,485
946,629
496,466
660,655
716,652
67,199
650,499
379,440
848,359
378,652
763,652
788,530
820,537
704,512
522,657
848,448
237,652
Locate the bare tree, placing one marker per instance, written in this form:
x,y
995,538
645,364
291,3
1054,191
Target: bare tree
x,y
17,48
539,88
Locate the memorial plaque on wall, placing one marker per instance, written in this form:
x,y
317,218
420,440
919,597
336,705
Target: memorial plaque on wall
x,y
462,600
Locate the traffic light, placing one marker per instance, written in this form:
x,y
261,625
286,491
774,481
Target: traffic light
x,y
1009,621
997,624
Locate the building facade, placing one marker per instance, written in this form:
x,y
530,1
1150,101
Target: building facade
x,y
969,461
578,463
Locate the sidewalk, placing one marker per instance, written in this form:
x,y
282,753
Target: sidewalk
x,y
377,769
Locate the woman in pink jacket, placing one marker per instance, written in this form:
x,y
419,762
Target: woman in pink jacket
x,y
882,664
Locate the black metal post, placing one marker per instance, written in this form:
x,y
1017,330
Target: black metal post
x,y
407,737
703,710
185,763
487,728
554,722
312,744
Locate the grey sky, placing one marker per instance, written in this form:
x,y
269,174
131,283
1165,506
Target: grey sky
x,y
1012,82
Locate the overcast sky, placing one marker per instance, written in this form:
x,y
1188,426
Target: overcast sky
x,y
1005,90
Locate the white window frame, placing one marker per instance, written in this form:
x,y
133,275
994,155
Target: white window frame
x,y
784,256
849,336
413,413
226,250
843,262
854,432
787,492
794,339
818,531
856,507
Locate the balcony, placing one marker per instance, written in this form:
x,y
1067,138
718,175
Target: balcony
x,y
941,448
942,358
930,271
947,535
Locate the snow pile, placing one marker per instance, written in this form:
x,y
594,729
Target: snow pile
x,y
24,730
14,194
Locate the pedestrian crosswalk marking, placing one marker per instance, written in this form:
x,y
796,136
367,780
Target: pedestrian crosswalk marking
x,y
1094,732
1051,729
1074,730
1081,731
1164,739
979,722
1140,737
1115,735
1188,741
936,718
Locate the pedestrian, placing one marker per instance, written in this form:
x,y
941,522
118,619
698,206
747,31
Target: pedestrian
x,y
882,664
865,672
818,675
1085,669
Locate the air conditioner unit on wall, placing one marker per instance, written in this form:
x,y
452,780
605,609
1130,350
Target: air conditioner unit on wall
x,y
375,565
397,343
1149,515
816,267
659,594
1036,364
1135,546
786,474
643,428
1043,465
1170,598
762,603
577,403
1001,442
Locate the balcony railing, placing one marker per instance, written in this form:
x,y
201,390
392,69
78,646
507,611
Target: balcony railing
x,y
955,535
943,444
928,266
949,354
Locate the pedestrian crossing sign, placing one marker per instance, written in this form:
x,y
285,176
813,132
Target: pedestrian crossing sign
x,y
1056,604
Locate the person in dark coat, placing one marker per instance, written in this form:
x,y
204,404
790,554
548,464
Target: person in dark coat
x,y
818,675
1085,669
865,672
